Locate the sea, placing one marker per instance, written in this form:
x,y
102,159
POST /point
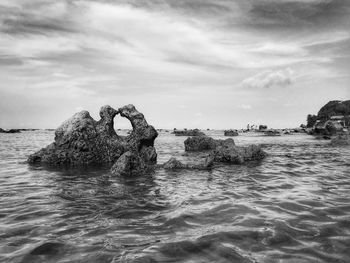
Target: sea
x,y
293,206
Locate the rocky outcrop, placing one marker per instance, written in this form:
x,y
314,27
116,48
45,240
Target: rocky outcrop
x,y
194,132
238,154
10,131
231,133
204,143
225,151
129,164
333,108
81,140
174,164
199,143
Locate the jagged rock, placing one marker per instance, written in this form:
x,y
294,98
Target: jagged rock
x,y
82,140
238,154
225,151
200,143
194,132
204,143
231,133
341,140
129,164
174,164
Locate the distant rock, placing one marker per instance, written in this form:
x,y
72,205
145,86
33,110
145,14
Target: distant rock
x,y
332,119
10,131
334,108
195,132
231,133
83,141
262,128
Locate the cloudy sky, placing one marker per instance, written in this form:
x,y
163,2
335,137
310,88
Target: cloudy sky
x,y
183,63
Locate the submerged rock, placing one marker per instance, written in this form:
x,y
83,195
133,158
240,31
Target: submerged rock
x,y
174,164
194,132
225,151
231,133
82,140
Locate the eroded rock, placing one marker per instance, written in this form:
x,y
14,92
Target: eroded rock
x,y
225,151
239,154
231,133
174,164
204,143
194,132
81,140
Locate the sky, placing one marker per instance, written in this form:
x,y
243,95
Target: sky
x,y
183,63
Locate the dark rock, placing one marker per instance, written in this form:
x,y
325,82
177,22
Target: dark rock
x,y
238,155
82,140
333,108
231,133
185,132
262,127
225,151
174,164
199,143
10,131
204,143
129,164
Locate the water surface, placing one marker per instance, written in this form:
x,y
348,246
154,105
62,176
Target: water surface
x,y
294,206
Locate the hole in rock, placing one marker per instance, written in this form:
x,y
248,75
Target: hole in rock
x,y
122,125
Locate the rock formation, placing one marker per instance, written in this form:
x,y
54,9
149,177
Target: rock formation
x,y
81,140
238,154
204,143
225,151
10,131
194,132
174,164
231,133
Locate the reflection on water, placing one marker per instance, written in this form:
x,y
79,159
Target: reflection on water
x,y
292,207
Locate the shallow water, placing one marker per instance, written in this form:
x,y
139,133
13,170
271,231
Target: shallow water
x,y
294,206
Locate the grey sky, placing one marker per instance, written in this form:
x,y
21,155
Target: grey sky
x,y
184,63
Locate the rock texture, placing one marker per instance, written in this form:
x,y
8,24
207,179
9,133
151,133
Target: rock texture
x,y
194,132
174,164
238,154
204,143
225,151
231,133
81,140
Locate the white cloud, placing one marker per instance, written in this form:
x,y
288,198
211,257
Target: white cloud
x,y
280,78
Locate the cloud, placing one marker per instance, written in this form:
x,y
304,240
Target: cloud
x,y
280,78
